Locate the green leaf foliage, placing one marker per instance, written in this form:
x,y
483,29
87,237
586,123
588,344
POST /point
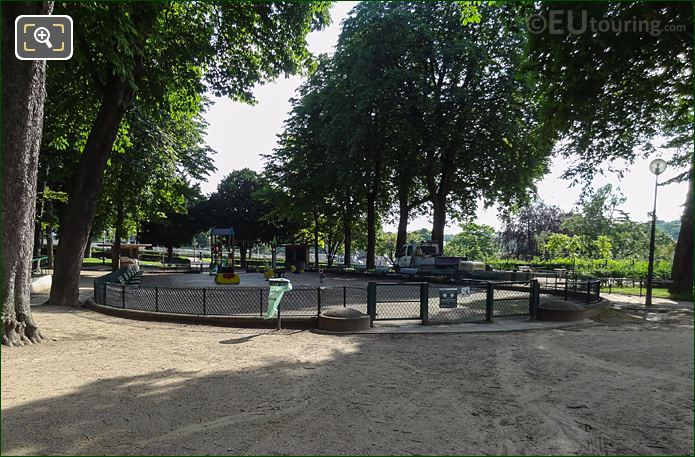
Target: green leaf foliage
x,y
473,242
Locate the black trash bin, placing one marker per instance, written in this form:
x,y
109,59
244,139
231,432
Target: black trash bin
x,y
448,297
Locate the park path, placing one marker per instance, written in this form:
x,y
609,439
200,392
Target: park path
x,y
637,301
86,287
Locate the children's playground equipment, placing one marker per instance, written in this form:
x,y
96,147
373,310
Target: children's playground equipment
x,y
296,257
222,252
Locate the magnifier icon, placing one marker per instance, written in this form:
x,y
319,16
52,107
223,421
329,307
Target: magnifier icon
x,y
42,35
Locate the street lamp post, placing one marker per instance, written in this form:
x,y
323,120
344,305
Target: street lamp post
x,y
657,166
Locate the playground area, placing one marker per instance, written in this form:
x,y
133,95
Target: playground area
x,y
312,294
103,385
307,279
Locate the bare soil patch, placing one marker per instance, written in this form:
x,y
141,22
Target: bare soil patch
x,y
101,385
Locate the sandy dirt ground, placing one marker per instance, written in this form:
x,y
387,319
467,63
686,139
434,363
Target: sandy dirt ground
x,y
102,385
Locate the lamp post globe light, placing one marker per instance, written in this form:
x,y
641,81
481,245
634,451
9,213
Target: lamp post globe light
x,y
657,166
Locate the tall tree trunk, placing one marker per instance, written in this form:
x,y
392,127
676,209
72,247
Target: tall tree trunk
x,y
116,246
49,244
242,255
371,213
88,248
347,234
529,235
49,234
79,212
371,232
78,215
316,240
38,234
403,213
682,270
23,95
440,196
439,219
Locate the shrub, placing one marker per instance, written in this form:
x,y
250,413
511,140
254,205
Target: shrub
x,y
608,268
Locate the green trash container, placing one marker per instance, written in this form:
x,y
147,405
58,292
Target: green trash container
x,y
278,287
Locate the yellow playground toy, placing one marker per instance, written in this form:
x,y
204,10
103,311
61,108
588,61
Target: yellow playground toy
x,y
222,253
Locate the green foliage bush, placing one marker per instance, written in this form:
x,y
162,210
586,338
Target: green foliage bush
x,y
609,268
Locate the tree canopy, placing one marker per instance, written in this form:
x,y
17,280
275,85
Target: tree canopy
x,y
607,96
164,56
417,105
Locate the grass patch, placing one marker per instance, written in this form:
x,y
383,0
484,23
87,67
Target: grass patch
x,y
95,261
98,261
656,292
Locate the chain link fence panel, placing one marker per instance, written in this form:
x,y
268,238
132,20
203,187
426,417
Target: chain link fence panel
x,y
511,299
397,301
467,306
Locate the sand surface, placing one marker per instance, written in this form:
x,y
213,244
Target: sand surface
x,y
102,385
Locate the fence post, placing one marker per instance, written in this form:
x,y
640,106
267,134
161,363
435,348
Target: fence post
x,y
489,298
319,301
260,301
204,304
566,287
123,294
534,297
279,318
371,302
424,303
156,299
588,290
344,296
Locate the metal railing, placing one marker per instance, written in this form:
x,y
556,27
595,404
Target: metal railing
x,y
39,265
234,301
608,284
469,301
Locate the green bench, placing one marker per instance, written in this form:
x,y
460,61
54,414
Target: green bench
x,y
131,277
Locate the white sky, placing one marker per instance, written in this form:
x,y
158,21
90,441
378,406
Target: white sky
x,y
241,133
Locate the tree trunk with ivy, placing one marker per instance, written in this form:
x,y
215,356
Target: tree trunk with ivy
x,y
23,95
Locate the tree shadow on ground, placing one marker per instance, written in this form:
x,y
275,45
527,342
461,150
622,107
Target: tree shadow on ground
x,y
359,398
410,394
163,412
